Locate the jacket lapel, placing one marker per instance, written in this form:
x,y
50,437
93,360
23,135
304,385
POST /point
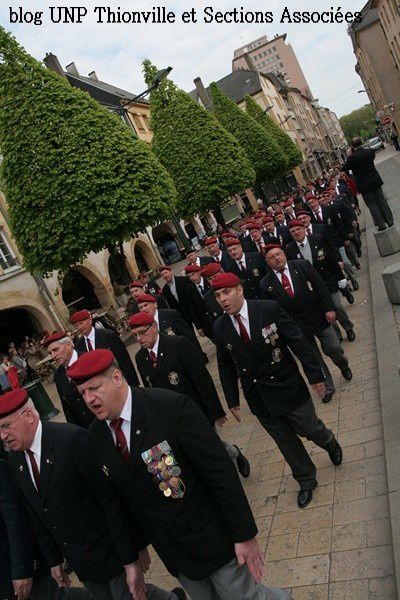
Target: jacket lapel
x,y
235,337
46,462
23,477
138,426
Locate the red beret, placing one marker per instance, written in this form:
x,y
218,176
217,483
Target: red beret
x,y
210,240
303,213
252,226
225,280
10,402
233,241
54,337
140,319
211,269
192,269
287,204
269,247
309,196
278,212
268,220
295,223
146,298
79,315
227,234
90,364
165,268
137,283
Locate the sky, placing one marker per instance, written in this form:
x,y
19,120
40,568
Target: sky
x,y
116,51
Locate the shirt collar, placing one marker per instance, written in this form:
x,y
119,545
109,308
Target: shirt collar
x,y
286,269
244,312
73,358
91,336
37,440
303,243
155,347
157,319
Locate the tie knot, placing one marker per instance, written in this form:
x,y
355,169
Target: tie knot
x,y
281,271
117,424
30,452
237,318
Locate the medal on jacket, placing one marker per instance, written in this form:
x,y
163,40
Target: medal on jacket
x,y
256,272
169,331
310,287
321,255
161,463
106,470
270,334
173,378
276,355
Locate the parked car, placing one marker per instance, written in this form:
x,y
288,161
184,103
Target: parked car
x,y
375,143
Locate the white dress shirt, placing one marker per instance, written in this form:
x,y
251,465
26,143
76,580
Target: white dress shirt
x,y
155,347
172,287
157,319
126,415
319,213
244,315
91,337
200,285
219,257
36,448
305,250
287,273
241,262
73,358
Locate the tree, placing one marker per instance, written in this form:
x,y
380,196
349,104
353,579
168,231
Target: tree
x,y
75,178
360,120
287,145
265,155
206,162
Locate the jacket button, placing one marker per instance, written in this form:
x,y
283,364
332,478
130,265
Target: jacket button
x,y
254,380
272,363
45,510
54,528
244,370
65,544
272,376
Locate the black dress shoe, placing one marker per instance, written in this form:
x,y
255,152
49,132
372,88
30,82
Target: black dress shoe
x,y
347,374
351,336
358,266
355,284
381,228
327,397
336,454
348,295
304,498
179,593
243,464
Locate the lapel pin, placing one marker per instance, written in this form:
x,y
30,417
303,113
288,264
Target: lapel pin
x,y
106,470
137,431
21,468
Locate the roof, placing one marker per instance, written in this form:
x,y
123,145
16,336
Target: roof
x,y
103,92
236,85
369,16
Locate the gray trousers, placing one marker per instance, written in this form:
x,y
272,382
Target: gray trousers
x,y
341,313
330,347
117,589
231,450
286,430
378,207
231,582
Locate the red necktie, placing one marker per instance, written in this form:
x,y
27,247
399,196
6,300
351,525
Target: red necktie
x,y
153,358
89,345
122,445
317,216
243,267
243,331
286,283
35,470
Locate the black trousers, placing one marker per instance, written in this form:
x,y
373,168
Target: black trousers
x,y
378,207
286,432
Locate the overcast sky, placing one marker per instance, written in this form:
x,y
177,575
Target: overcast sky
x,y
115,51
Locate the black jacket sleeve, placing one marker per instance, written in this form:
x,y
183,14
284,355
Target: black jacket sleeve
x,y
123,359
70,415
319,286
17,526
227,373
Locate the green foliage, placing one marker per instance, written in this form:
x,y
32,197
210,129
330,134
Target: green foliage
x,y
359,121
267,158
286,144
206,162
75,178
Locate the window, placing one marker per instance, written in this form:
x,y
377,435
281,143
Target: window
x,y
138,123
7,258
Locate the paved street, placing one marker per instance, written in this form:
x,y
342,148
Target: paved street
x,y
339,547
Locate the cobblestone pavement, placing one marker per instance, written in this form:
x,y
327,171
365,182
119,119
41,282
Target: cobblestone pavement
x,y
339,547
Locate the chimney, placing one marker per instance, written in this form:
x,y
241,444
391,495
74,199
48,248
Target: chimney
x,y
201,90
93,75
72,70
53,64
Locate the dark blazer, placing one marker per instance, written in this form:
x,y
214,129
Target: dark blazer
x,y
311,296
270,378
212,307
256,269
283,235
171,322
181,284
225,259
178,369
20,556
205,260
361,163
335,228
73,405
193,535
324,260
198,308
105,338
67,515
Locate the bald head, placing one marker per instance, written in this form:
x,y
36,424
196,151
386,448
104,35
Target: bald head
x,y
356,142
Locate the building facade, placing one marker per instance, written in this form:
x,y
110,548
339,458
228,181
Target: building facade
x,y
272,56
376,45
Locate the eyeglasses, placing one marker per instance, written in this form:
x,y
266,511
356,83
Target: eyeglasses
x,y
7,426
139,333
